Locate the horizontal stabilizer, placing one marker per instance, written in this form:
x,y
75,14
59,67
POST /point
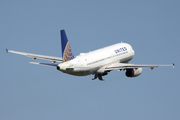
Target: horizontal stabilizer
x,y
46,64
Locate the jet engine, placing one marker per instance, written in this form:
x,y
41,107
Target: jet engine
x,y
133,72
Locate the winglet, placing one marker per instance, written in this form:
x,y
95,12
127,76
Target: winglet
x,y
173,65
6,50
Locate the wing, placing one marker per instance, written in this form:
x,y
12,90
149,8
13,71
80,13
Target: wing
x,y
129,66
34,56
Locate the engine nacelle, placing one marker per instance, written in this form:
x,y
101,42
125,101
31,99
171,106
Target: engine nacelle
x,y
133,72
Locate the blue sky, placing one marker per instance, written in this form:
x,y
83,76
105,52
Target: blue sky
x,y
36,92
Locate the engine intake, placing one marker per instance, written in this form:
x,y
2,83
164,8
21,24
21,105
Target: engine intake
x,y
133,72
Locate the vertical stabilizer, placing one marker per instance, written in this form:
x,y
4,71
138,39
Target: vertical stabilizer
x,y
66,49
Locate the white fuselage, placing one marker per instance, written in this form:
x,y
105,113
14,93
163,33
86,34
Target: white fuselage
x,y
96,61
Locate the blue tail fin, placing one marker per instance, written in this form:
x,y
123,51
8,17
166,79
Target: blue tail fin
x,y
66,49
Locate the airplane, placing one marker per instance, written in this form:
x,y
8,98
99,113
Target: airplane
x,y
98,63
